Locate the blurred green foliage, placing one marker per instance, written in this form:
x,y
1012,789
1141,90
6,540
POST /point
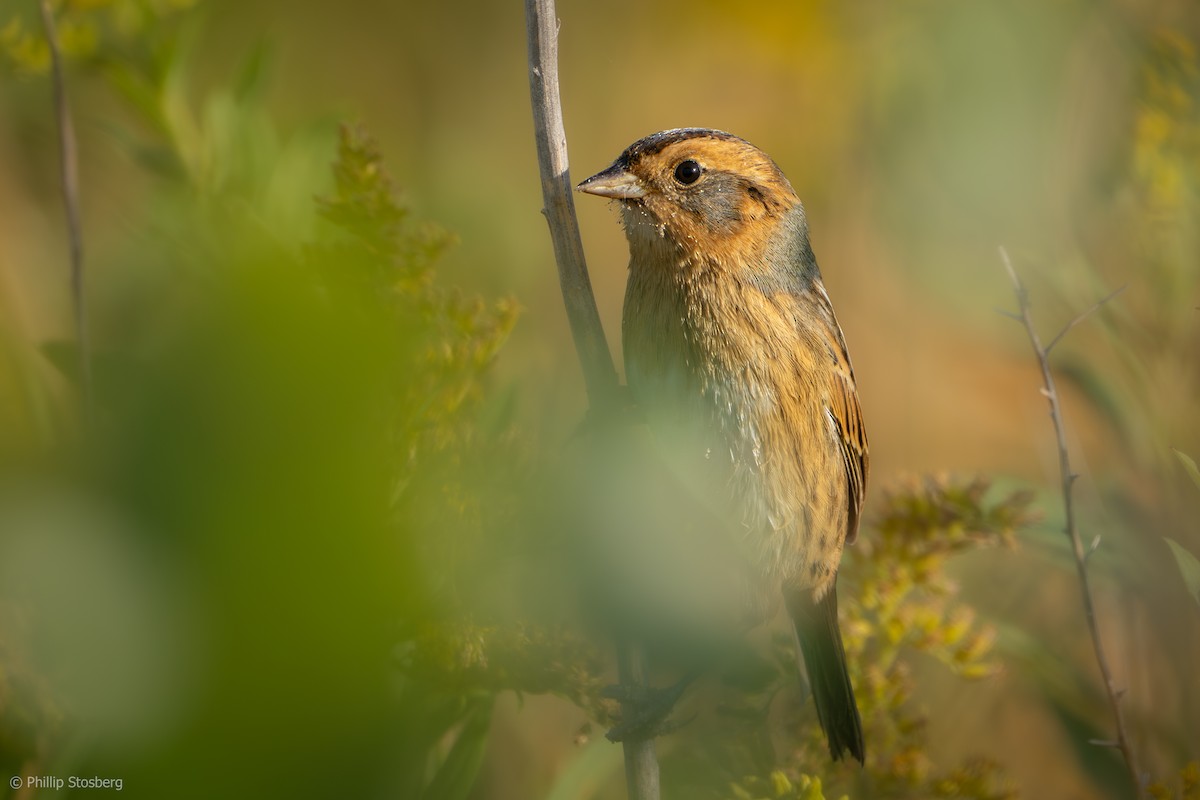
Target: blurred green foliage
x,y
899,602
204,594
1189,566
1156,337
86,29
1189,785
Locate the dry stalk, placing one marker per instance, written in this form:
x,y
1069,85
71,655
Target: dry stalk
x,y
600,376
1068,478
69,158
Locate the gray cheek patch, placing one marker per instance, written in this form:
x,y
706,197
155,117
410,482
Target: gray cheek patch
x,y
717,200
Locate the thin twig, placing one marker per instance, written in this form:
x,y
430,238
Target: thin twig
x,y
641,760
1082,316
590,342
68,156
600,375
1068,478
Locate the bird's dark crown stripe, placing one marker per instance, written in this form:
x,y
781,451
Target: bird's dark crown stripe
x,y
655,142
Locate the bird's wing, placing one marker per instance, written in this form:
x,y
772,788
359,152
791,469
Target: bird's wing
x,y
844,409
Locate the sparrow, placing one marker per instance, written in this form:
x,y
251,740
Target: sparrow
x,y
733,354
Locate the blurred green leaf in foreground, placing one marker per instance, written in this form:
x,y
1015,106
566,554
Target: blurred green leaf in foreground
x,y
205,597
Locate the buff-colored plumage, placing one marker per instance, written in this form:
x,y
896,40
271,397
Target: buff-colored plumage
x,y
733,352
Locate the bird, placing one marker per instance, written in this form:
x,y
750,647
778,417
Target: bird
x,y
733,353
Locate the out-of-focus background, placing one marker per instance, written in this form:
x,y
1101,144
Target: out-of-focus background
x,y
206,590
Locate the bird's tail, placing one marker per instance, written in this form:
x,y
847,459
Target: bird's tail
x,y
825,660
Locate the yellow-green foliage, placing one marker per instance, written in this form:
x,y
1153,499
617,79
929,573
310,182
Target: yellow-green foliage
x,y
296,384
449,669
1166,149
84,28
778,786
520,657
903,591
1154,329
1189,785
897,599
31,714
392,260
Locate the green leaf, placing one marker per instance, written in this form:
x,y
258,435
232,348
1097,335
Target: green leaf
x,y
1189,567
254,73
593,766
1189,466
1102,764
456,776
137,90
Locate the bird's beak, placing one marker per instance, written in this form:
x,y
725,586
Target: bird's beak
x,y
616,182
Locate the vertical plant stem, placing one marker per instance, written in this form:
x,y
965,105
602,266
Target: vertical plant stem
x,y
1068,478
641,760
590,343
600,375
69,161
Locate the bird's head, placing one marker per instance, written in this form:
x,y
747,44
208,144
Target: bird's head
x,y
705,190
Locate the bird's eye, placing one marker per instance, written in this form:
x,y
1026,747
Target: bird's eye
x,y
688,172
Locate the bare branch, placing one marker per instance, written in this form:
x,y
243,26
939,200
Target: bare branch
x,y
1081,317
590,342
68,156
641,762
1068,478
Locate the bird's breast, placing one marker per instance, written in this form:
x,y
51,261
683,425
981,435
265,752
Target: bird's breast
x,y
703,376
728,381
